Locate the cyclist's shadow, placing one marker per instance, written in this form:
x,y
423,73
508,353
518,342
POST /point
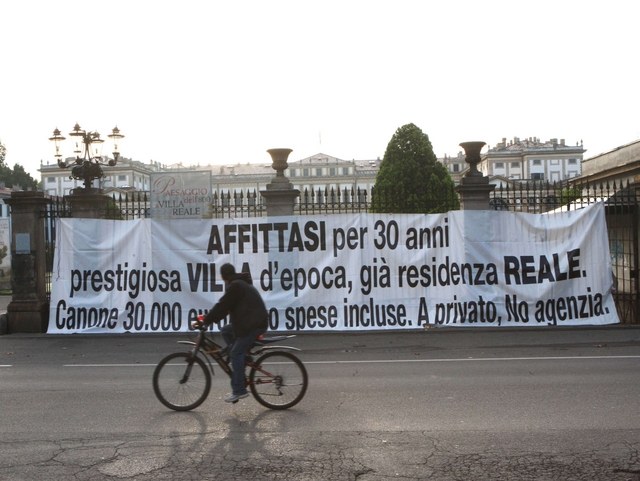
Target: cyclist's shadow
x,y
249,442
256,439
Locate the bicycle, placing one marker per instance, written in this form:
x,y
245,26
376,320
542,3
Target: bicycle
x,y
277,379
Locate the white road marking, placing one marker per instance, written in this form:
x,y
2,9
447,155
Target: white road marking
x,y
393,361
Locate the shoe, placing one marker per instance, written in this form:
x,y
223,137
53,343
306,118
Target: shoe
x,y
236,397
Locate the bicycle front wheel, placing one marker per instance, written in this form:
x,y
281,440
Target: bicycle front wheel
x,y
279,381
181,385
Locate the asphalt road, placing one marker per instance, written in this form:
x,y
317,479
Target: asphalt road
x,y
510,404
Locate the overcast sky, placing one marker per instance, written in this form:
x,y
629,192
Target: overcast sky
x,y
220,82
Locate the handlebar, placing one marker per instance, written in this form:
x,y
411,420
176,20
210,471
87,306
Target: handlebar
x,y
200,325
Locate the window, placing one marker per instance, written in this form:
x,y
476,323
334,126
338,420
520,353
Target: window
x,y
573,161
319,172
305,172
51,180
332,171
537,176
292,172
515,165
456,167
499,165
345,171
122,178
537,162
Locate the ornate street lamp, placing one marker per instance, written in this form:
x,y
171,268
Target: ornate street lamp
x,y
88,153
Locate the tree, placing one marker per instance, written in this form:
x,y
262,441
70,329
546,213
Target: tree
x,y
15,176
411,179
569,194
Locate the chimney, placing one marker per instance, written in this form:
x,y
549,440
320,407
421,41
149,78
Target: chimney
x,y
562,142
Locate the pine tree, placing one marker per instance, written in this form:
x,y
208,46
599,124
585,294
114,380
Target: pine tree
x,y
411,179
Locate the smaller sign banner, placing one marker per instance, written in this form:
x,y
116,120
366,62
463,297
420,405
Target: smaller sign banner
x,y
181,195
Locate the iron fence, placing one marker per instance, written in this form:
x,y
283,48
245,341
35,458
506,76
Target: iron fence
x,y
537,197
332,201
621,209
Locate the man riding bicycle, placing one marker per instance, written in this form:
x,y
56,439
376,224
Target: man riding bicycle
x,y
248,321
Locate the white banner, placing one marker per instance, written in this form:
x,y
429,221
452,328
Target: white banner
x,y
338,272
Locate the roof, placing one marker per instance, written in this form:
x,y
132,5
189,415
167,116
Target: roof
x,y
533,144
626,147
240,169
322,159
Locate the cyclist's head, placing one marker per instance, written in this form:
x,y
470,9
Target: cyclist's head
x,y
227,271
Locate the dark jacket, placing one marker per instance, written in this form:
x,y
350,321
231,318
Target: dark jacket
x,y
244,305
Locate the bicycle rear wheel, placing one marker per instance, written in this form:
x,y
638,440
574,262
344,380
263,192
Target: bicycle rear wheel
x,y
181,386
279,381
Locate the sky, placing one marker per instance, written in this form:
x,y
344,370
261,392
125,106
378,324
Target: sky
x,y
220,82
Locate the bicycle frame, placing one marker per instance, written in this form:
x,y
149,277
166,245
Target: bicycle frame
x,y
205,345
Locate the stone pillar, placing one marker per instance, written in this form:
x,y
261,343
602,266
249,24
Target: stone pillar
x,y
474,188
280,195
88,206
28,310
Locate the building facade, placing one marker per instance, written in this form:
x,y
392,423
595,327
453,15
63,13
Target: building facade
x,y
325,175
128,174
318,173
455,165
531,159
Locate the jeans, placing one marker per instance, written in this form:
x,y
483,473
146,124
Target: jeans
x,y
237,354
